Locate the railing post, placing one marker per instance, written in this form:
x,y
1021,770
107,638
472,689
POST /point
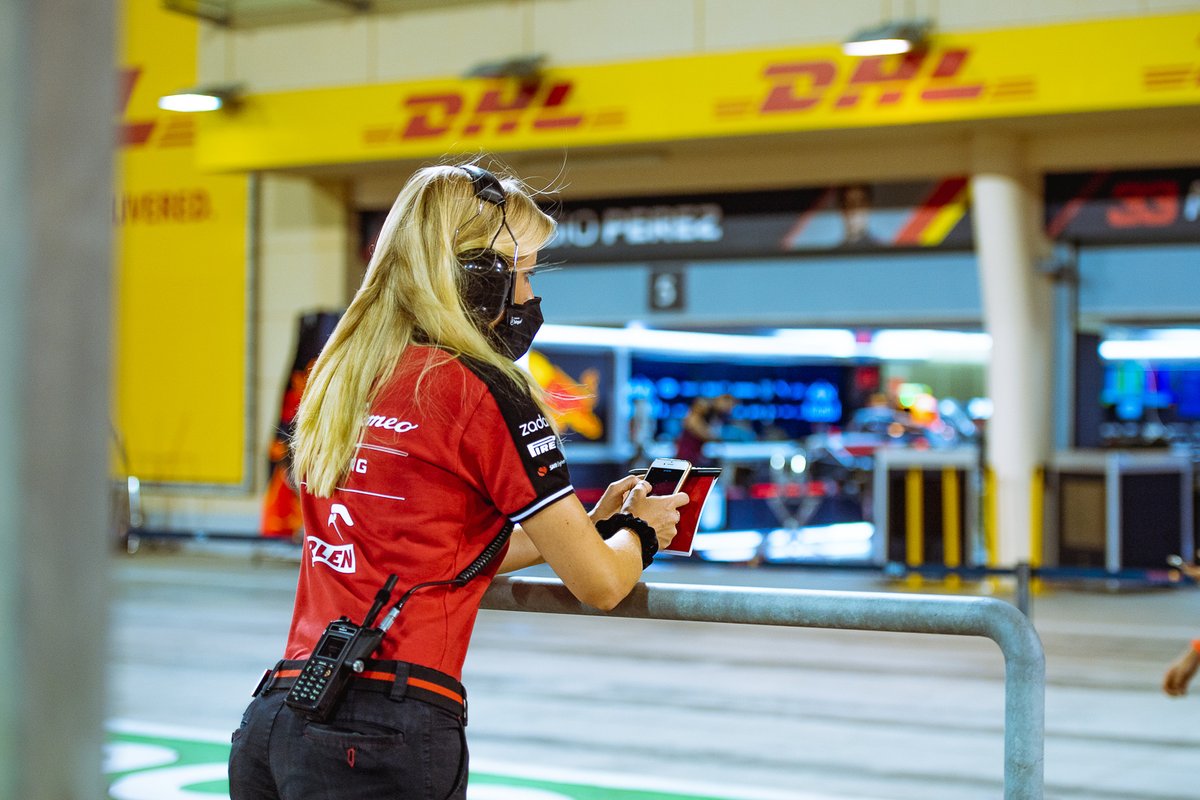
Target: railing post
x,y
1024,662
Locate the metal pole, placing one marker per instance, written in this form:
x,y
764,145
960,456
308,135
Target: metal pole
x,y
1024,662
1024,573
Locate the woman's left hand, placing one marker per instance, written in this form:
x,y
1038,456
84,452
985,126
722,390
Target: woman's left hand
x,y
613,498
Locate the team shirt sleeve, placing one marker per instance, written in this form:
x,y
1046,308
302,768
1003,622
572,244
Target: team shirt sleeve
x,y
514,453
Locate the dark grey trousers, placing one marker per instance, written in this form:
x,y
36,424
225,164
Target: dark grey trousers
x,y
374,747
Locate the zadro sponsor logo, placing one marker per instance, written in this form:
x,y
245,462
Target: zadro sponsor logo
x,y
338,557
534,425
542,446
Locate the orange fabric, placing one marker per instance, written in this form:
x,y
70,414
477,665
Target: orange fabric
x,y
281,506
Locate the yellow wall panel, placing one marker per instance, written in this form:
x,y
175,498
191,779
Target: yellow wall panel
x,y
181,272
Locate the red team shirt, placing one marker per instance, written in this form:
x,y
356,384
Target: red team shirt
x,y
434,480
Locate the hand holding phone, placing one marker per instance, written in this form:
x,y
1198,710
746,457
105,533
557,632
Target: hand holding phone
x,y
657,498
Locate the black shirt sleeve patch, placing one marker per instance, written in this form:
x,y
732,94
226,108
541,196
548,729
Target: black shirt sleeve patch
x,y
533,449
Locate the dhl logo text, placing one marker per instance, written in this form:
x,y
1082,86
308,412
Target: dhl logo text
x,y
929,77
522,107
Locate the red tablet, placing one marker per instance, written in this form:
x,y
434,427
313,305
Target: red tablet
x,y
698,484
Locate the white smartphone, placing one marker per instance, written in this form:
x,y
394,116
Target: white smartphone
x,y
1175,561
666,475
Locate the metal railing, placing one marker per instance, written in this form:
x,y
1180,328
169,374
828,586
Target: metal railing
x,y
1024,661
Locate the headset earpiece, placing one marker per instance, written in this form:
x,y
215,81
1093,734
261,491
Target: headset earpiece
x,y
487,283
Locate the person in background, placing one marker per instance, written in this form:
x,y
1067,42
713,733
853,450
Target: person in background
x,y
696,432
424,454
854,202
721,414
1183,669
704,422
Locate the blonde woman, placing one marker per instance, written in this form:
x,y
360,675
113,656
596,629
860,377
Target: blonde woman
x,y
419,446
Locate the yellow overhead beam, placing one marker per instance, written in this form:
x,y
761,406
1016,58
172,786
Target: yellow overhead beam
x,y
1120,64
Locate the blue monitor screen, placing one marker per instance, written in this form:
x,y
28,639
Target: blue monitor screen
x,y
1136,391
773,401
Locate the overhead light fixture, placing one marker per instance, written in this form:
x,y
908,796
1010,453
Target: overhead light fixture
x,y
889,38
1171,344
527,69
201,98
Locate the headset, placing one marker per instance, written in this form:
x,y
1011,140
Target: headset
x,y
488,287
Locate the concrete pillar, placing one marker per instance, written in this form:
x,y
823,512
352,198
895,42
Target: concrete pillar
x,y
57,101
1017,312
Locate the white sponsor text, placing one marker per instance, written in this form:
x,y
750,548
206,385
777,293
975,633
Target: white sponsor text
x,y
338,557
542,446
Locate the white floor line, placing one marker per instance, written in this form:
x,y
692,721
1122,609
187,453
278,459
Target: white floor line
x,y
607,780
611,780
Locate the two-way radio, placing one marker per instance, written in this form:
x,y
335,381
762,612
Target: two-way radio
x,y
341,651
344,647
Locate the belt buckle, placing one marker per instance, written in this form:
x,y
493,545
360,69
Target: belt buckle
x,y
267,682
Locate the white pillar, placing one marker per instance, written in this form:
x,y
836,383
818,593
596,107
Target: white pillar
x,y
1017,312
57,101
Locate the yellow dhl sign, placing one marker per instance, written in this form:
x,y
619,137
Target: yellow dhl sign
x,y
1133,63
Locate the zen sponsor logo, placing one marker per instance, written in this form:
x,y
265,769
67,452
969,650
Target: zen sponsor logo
x,y
391,423
533,426
542,445
338,557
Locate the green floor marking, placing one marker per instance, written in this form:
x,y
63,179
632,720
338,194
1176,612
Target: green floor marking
x,y
144,767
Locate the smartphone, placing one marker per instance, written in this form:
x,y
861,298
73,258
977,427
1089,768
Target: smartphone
x,y
666,475
1175,561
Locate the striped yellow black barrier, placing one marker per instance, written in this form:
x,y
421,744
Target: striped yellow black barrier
x,y
1037,521
914,522
991,525
951,529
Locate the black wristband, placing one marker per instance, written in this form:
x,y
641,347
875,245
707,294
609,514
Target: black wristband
x,y
643,530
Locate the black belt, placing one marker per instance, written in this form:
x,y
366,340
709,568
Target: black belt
x,y
395,678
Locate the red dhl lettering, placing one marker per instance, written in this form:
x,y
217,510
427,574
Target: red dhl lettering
x,y
500,110
136,132
804,85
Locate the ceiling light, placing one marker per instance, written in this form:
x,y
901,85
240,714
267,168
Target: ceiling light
x,y
889,38
201,98
1181,344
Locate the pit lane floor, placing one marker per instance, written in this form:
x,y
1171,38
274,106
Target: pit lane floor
x,y
586,708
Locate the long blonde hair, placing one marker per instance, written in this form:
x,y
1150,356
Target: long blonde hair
x,y
411,292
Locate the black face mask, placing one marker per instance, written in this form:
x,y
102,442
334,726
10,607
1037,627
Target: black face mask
x,y
513,333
